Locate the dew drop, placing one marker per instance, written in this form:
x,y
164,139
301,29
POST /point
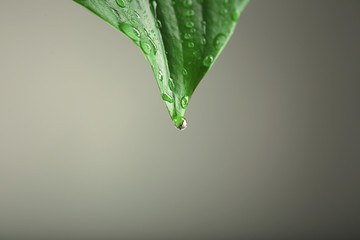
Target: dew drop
x,y
184,101
167,98
188,3
115,12
223,11
189,12
160,76
171,84
184,72
130,31
121,3
189,24
219,40
208,60
187,36
203,41
235,15
191,44
180,122
158,24
145,47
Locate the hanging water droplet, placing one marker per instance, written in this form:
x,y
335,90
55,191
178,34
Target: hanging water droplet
x,y
219,40
180,122
121,3
160,76
188,3
189,24
184,101
208,60
171,84
167,98
130,31
235,15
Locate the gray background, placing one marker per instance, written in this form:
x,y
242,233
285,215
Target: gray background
x,y
88,151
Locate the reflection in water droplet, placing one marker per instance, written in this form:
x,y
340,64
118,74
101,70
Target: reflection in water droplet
x,y
208,60
130,31
184,102
121,3
171,84
180,122
167,98
219,40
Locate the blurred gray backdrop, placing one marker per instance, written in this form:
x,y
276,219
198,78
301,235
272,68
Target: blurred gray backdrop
x,y
88,150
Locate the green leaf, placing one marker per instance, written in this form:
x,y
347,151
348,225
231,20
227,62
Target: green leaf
x,y
180,38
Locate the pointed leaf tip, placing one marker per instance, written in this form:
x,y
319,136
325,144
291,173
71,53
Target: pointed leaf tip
x,y
181,39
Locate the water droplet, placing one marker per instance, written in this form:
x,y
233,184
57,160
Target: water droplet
x,y
187,36
235,15
208,60
153,45
145,47
184,101
188,3
203,41
192,30
189,24
171,84
115,13
189,12
180,122
158,24
191,44
167,98
219,40
160,76
121,3
184,72
223,11
130,31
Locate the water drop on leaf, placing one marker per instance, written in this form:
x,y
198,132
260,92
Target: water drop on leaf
x,y
121,3
167,98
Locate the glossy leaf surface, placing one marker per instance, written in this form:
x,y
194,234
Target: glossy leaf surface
x,y
180,38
